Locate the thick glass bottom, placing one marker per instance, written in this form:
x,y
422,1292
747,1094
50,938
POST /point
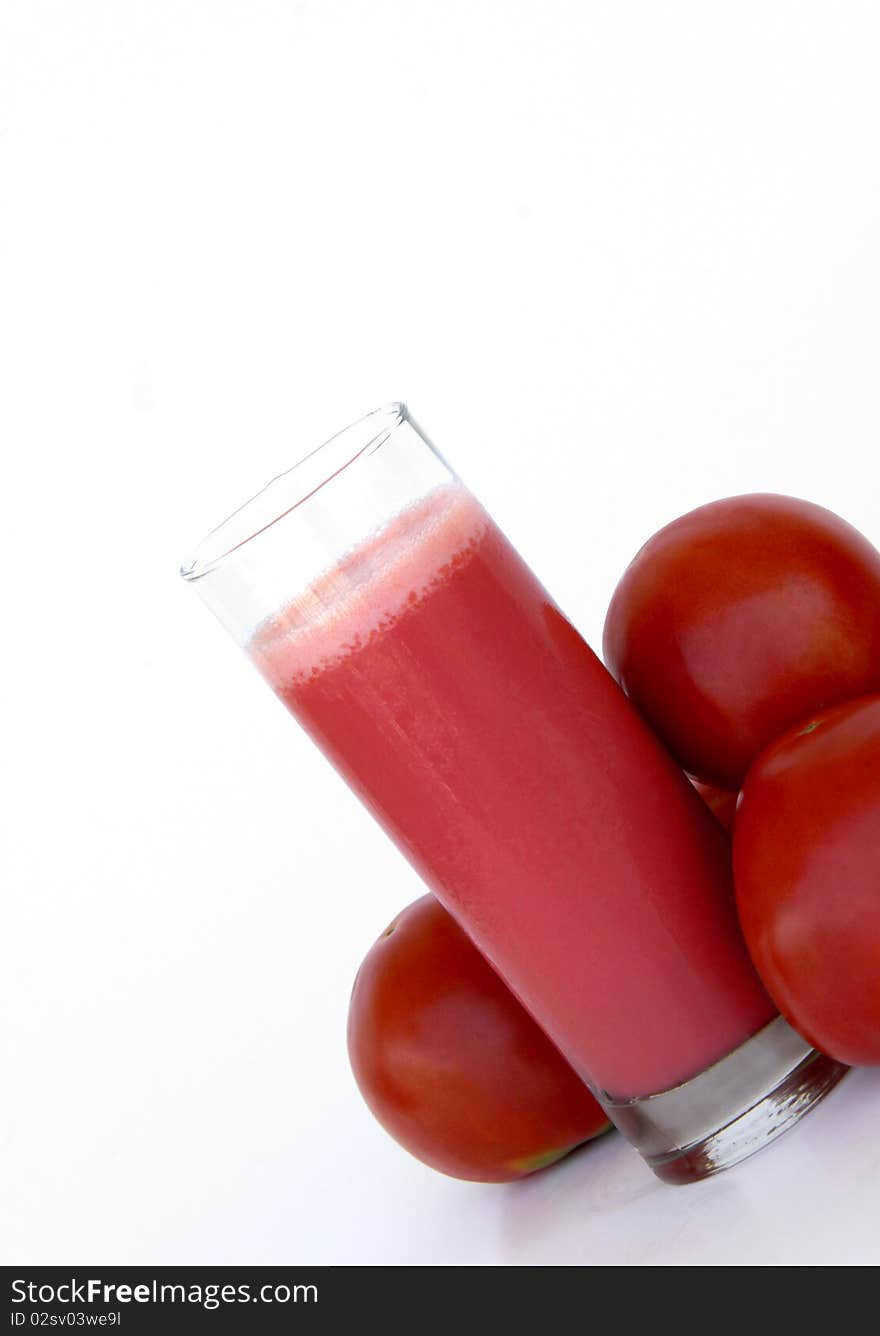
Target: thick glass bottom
x,y
731,1110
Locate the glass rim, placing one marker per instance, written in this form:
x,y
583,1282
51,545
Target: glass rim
x,y
281,495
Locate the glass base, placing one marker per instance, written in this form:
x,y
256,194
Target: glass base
x,y
730,1110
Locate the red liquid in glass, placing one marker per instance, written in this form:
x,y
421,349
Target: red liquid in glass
x,y
495,749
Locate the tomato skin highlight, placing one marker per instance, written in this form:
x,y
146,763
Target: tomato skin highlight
x,y
806,852
452,1065
740,618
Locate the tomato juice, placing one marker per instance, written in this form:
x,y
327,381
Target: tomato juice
x,y
492,745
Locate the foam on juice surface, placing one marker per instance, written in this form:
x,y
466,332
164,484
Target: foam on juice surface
x,y
370,587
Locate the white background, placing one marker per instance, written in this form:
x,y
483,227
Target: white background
x,y
620,259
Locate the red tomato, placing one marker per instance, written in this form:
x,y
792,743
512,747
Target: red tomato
x,y
807,873
450,1062
720,802
741,618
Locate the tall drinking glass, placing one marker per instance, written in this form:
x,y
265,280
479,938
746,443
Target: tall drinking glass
x,y
399,626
